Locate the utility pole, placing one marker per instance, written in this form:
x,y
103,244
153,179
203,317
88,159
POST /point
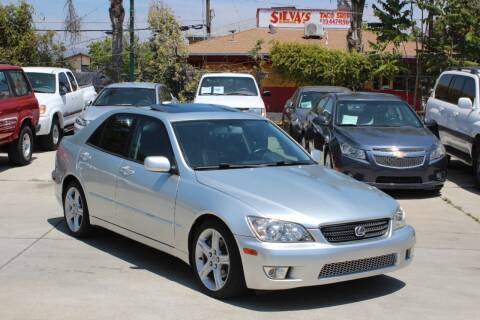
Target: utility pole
x,y
208,19
132,40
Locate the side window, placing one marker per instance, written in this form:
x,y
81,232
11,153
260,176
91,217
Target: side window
x,y
63,83
328,108
469,89
114,134
441,92
72,81
320,105
455,89
19,83
165,94
5,92
150,139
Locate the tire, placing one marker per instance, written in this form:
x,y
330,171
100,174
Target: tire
x,y
51,141
476,168
20,151
75,211
220,280
327,159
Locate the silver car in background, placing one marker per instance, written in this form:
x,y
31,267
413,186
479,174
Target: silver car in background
x,y
230,194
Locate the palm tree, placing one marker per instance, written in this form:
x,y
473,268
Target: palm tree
x,y
354,36
117,15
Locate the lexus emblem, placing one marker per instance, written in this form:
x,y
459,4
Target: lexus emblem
x,y
360,231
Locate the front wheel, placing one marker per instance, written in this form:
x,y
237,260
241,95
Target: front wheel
x,y
216,262
20,151
51,141
75,210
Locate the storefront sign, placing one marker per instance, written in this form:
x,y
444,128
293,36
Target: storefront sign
x,y
290,17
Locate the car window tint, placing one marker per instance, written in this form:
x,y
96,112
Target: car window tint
x,y
455,89
63,82
328,107
320,105
441,91
150,139
4,87
114,134
20,83
72,81
469,89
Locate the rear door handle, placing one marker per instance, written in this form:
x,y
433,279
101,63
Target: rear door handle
x,y
85,156
126,171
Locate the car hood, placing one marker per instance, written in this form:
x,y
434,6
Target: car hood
x,y
46,98
232,101
370,137
93,112
310,195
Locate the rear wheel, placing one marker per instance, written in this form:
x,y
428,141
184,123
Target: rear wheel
x,y
51,141
216,262
20,151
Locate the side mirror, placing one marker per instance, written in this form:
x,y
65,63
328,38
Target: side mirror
x,y
157,164
432,126
267,94
321,120
316,155
289,104
465,103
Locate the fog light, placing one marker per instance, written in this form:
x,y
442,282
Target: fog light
x,y
276,273
409,254
440,176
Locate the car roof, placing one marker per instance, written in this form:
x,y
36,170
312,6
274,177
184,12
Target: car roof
x,y
326,89
45,69
192,111
367,96
227,74
142,85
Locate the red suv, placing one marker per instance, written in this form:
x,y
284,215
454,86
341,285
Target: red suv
x,y
18,114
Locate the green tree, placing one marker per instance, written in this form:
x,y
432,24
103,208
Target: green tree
x,y
19,44
258,59
395,23
169,48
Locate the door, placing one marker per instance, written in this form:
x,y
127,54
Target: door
x,y
146,200
99,162
65,90
440,109
77,94
463,118
8,109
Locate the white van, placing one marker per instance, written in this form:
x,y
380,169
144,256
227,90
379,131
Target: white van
x,y
236,90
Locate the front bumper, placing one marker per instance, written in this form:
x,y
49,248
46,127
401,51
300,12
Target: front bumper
x,y
44,125
307,259
428,176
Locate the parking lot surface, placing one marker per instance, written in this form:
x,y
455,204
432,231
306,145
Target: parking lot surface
x,y
46,274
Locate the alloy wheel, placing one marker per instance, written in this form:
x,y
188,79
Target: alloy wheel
x,y
26,146
212,259
73,209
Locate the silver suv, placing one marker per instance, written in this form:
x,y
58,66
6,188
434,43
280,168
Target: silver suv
x,y
454,112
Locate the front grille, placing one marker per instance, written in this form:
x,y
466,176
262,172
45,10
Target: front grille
x,y
398,180
346,231
338,269
396,162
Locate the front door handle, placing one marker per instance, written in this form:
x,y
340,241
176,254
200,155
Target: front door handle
x,y
126,171
85,156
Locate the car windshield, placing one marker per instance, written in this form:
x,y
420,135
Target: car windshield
x,y
228,86
137,97
230,144
376,114
42,82
308,100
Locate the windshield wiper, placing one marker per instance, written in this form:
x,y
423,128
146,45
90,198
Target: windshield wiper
x,y
222,166
40,91
289,163
238,94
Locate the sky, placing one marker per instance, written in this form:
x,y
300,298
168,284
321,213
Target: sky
x,y
229,14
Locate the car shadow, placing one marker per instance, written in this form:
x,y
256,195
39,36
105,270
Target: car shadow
x,y
145,258
461,175
5,163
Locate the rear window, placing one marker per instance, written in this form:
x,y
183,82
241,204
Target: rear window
x,y
228,86
128,97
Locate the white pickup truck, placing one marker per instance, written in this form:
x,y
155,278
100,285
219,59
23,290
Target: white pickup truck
x,y
61,100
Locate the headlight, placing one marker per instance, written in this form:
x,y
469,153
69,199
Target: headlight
x,y
351,152
81,121
399,219
437,153
260,111
271,230
42,108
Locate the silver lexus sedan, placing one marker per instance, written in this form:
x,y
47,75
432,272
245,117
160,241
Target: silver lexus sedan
x,y
230,194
